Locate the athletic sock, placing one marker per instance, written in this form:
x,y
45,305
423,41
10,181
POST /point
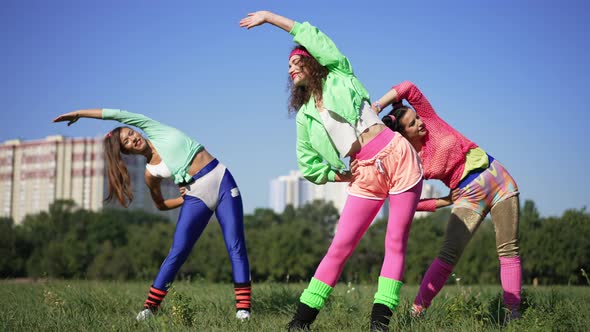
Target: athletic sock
x,y
316,294
433,282
243,292
155,297
388,292
511,276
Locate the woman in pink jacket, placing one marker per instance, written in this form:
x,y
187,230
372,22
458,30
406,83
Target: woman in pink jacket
x,y
480,185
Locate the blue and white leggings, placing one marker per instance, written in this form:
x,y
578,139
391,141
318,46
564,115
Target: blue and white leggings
x,y
213,190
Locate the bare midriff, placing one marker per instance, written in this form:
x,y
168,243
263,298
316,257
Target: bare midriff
x,y
366,136
200,160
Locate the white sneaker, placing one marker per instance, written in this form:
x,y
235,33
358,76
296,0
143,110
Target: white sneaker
x,y
144,314
243,314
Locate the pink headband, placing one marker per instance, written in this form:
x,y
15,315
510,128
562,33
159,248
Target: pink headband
x,y
109,134
392,118
299,51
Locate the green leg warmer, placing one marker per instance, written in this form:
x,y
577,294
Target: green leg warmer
x,y
316,294
388,292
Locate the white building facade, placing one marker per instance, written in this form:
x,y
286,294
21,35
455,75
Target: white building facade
x,y
295,190
33,174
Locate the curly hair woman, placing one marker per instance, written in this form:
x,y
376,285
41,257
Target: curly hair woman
x,y
334,120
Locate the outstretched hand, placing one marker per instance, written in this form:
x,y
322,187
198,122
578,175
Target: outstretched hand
x,y
253,19
71,117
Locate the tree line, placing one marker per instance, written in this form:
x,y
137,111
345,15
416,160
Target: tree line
x,y
68,242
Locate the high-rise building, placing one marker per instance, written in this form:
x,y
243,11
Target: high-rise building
x,y
295,190
33,174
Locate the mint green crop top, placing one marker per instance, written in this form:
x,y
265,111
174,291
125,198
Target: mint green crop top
x,y
174,147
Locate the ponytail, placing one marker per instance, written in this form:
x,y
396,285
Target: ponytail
x,y
392,119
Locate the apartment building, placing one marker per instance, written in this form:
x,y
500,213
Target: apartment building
x,y
35,173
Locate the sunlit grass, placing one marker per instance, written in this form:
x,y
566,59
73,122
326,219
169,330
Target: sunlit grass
x,y
202,306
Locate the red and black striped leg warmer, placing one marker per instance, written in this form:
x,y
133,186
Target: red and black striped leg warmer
x,y
154,299
243,295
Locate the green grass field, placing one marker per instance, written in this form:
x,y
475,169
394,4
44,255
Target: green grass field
x,y
196,306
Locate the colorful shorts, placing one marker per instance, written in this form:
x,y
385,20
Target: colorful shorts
x,y
388,164
491,186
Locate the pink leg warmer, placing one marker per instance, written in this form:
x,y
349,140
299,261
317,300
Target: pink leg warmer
x,y
433,282
511,276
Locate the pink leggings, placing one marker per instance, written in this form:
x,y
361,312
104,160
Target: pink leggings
x,y
357,215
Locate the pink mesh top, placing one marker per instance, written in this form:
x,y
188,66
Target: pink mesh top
x,y
444,149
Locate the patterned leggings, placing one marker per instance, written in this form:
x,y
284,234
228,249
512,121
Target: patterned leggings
x,y
495,191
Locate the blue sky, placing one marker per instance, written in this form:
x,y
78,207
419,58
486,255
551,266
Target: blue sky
x,y
510,75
